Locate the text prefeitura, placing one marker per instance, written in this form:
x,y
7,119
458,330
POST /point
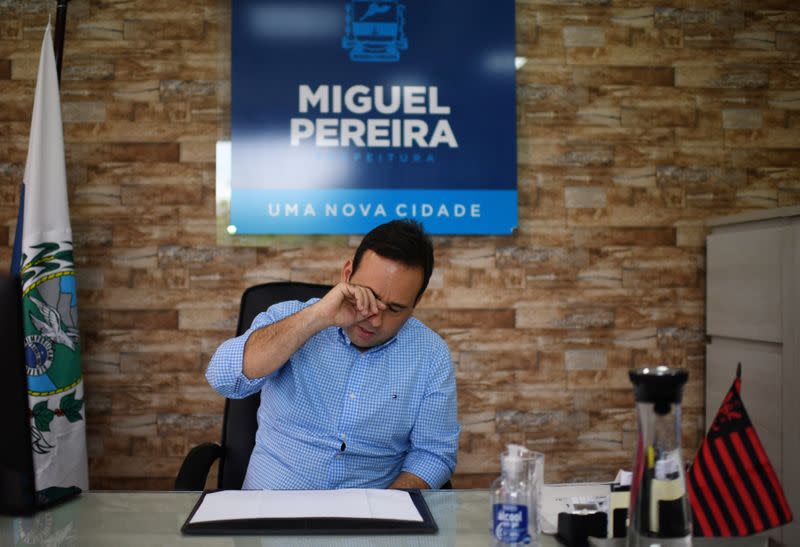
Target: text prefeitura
x,y
405,132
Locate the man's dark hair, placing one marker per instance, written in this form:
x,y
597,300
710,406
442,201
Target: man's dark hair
x,y
404,241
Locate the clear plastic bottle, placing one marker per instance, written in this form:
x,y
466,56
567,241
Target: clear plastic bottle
x,y
510,499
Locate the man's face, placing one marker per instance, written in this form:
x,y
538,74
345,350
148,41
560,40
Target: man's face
x,y
394,284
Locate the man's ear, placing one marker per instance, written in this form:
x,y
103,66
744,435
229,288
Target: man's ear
x,y
347,271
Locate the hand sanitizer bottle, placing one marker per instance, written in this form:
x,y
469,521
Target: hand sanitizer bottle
x,y
510,500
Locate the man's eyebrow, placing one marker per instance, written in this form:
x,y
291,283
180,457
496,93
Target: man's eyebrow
x,y
389,304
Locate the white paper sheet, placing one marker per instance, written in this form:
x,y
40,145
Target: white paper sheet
x,y
346,503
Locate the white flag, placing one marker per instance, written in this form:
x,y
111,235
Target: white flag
x,y
52,344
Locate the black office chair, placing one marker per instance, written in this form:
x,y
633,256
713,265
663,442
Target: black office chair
x,y
239,423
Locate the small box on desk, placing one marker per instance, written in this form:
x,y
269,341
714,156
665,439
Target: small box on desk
x,y
574,529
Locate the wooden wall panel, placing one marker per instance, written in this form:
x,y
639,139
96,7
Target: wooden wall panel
x,y
637,120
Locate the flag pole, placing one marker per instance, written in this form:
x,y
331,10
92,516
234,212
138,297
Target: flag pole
x,y
61,25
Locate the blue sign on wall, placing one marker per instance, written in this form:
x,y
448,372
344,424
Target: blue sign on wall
x,y
349,113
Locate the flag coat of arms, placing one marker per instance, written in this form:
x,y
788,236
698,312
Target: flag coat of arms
x,y
733,489
43,258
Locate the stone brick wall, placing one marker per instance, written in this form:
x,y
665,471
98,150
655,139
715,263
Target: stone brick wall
x,y
637,120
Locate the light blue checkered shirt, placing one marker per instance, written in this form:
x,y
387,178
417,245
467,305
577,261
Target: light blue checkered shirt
x,y
336,417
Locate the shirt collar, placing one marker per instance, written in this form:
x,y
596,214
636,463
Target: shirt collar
x,y
343,338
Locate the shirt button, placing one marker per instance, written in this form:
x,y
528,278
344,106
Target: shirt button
x,y
352,395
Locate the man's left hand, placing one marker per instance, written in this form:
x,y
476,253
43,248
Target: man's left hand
x,y
409,480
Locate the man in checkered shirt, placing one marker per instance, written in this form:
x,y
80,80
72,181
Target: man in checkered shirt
x,y
355,392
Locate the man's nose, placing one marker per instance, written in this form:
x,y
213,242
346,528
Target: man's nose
x,y
376,319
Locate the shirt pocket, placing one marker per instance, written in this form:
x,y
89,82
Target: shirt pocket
x,y
399,412
388,416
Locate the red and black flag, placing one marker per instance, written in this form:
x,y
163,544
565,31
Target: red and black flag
x,y
732,487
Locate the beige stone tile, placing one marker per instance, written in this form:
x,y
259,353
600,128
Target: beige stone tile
x,y
773,137
584,197
584,36
208,319
742,119
10,29
100,29
131,319
585,359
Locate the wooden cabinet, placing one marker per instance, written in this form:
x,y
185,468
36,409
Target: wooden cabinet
x,y
753,318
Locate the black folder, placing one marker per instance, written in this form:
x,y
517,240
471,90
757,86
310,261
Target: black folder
x,y
314,525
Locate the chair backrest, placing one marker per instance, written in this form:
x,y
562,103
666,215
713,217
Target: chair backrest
x,y
240,419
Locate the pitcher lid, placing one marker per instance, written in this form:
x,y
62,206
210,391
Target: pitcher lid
x,y
661,385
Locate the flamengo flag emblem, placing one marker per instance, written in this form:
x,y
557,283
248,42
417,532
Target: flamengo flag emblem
x,y
732,487
43,258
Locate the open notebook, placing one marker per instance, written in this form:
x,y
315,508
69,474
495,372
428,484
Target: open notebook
x,y
346,511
